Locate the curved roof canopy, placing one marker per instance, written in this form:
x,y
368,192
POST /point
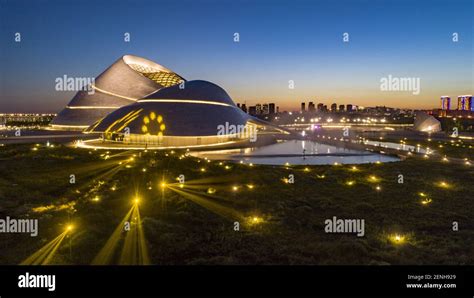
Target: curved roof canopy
x,y
127,80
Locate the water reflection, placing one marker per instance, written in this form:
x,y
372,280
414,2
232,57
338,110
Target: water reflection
x,y
297,152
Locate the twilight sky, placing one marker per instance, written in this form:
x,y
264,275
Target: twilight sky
x,y
279,41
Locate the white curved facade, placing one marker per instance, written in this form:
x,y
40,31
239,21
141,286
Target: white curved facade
x,y
124,82
426,123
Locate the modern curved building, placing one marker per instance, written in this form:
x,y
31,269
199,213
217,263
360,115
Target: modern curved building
x,y
194,114
124,82
426,123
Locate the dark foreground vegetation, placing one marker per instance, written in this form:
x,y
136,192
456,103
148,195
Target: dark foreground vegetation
x,y
194,223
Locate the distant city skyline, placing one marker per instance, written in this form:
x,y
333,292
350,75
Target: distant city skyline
x,y
279,41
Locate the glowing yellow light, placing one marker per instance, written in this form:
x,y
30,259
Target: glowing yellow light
x,y
251,164
287,163
113,188
467,163
211,190
162,127
181,185
144,170
378,188
159,119
443,184
397,238
227,167
146,120
253,220
373,178
34,149
336,163
235,188
350,183
136,200
152,115
144,128
250,186
445,159
69,228
96,199
378,162
426,201
163,184
354,168
422,194
306,169
203,169
221,163
321,176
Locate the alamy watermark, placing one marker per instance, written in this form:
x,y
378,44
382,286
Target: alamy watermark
x,y
344,225
12,225
66,83
238,131
391,83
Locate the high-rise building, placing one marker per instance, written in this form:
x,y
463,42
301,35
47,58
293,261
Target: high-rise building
x,y
311,107
265,109
465,103
445,103
271,108
341,108
303,108
333,107
320,106
349,108
238,105
253,110
258,109
244,108
278,110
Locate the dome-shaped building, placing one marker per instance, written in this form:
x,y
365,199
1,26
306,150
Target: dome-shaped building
x,y
426,123
127,80
193,114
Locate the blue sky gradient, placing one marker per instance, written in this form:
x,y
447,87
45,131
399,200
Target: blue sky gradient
x,y
279,41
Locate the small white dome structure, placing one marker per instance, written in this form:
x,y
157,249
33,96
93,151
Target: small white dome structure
x,y
426,123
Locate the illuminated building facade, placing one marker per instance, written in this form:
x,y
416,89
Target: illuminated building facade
x,y
200,114
465,103
124,82
426,123
445,103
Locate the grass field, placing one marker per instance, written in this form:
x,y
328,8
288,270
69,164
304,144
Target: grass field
x,y
194,223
